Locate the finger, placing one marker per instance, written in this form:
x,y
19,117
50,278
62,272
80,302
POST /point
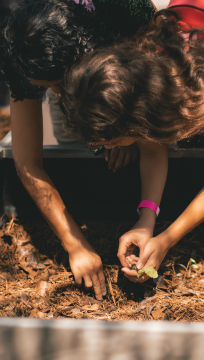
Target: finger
x,y
106,154
101,278
130,260
78,280
120,159
127,159
122,249
97,287
132,275
87,282
136,153
123,260
143,278
113,156
134,156
126,248
129,272
143,259
134,258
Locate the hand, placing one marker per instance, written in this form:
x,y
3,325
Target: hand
x,y
119,157
152,252
128,242
85,263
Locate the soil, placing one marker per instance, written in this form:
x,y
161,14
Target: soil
x,y
36,280
5,124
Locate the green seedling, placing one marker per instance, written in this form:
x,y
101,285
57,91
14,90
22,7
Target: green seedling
x,y
190,266
148,270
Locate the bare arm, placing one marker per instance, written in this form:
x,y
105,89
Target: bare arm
x,y
192,216
156,248
27,140
153,172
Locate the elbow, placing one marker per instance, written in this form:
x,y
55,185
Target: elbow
x,y
20,169
25,171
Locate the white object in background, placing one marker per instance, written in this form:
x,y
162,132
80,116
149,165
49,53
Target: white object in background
x,y
6,140
48,136
160,4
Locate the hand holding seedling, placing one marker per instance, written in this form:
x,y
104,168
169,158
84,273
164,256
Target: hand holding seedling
x,y
119,157
151,255
148,270
137,236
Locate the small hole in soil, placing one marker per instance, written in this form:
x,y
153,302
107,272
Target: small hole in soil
x,y
7,239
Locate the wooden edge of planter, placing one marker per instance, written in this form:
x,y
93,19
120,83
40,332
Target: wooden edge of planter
x,y
81,151
145,326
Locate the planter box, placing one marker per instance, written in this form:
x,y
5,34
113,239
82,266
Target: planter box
x,y
91,191
32,339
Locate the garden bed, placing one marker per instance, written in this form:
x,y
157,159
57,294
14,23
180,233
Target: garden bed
x,y
36,281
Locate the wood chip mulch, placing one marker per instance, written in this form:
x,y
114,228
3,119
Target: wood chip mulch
x,y
36,281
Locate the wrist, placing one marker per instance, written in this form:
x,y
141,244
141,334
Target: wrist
x,y
165,240
74,244
144,226
147,218
150,205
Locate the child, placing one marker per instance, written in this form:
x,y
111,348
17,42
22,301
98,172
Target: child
x,y
40,39
151,90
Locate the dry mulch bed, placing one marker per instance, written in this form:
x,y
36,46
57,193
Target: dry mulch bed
x,y
36,281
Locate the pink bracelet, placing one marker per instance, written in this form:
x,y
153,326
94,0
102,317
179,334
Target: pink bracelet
x,y
149,204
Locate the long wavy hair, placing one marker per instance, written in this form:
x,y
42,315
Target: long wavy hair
x,y
43,37
150,86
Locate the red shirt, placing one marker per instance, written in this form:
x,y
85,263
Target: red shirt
x,y
191,11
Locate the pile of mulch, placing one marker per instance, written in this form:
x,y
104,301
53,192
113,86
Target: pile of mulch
x,y
36,280
5,123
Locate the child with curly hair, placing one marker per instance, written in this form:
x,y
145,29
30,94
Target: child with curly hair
x,y
149,90
40,39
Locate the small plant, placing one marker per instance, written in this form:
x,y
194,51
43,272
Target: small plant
x,y
148,270
190,266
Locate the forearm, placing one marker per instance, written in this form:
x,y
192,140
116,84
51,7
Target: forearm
x,y
153,172
45,195
192,216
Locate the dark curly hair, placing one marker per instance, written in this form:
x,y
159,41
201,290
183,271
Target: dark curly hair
x,y
41,38
150,87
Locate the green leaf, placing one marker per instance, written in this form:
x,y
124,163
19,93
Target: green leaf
x,y
149,270
194,266
192,260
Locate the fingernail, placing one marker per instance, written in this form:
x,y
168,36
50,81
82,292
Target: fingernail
x,y
106,158
139,265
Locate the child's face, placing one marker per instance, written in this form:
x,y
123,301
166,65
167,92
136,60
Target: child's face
x,y
53,84
119,141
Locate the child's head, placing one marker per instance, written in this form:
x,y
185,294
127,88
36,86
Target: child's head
x,y
140,89
42,37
